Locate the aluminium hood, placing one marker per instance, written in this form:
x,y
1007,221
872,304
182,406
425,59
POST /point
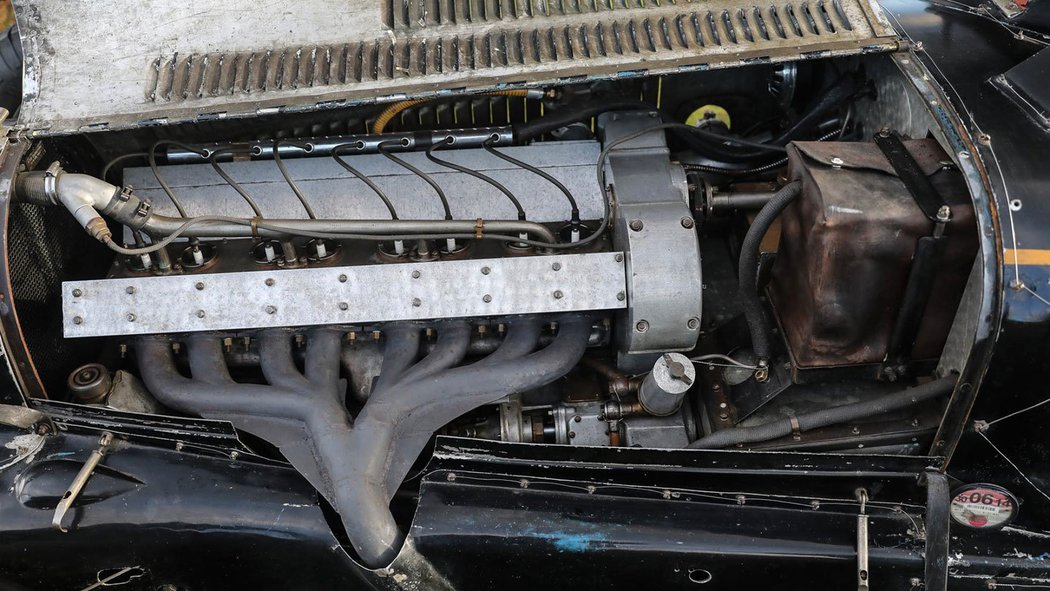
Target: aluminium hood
x,y
117,64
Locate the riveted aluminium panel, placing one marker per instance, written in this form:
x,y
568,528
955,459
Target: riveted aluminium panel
x,y
108,64
344,295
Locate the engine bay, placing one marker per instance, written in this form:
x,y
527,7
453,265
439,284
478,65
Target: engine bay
x,y
770,256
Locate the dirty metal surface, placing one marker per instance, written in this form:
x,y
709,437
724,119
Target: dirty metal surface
x,y
103,65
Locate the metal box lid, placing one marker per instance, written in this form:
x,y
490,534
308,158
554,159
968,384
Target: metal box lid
x,y
113,65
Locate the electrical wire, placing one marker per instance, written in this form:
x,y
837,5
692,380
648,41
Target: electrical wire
x,y
575,219
229,180
151,157
109,165
395,109
288,177
382,195
705,359
382,147
448,141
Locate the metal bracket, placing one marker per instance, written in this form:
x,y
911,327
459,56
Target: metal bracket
x,y
927,251
863,574
79,481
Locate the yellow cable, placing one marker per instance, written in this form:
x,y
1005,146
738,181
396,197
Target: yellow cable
x,y
393,110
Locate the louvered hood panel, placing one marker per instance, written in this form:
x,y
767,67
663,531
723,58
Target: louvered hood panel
x,y
109,64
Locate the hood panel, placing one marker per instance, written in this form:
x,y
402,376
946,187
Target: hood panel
x,y
107,65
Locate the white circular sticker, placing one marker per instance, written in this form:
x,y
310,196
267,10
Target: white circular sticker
x,y
983,506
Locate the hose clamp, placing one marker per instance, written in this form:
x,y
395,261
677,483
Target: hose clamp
x,y
254,223
479,228
51,181
796,428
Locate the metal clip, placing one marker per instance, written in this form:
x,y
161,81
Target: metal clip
x,y
862,542
79,481
51,181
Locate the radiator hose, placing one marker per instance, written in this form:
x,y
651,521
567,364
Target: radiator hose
x,y
747,272
828,416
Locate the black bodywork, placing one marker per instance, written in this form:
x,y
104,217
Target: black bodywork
x,y
183,505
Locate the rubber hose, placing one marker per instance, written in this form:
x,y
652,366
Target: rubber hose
x,y
393,110
828,416
747,271
570,114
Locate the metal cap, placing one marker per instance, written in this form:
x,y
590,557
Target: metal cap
x,y
90,383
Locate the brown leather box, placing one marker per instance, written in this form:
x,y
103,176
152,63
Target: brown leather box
x,y
846,248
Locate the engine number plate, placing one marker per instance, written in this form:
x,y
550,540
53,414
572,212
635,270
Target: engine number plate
x,y
983,506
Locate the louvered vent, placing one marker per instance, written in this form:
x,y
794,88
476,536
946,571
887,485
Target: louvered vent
x,y
536,39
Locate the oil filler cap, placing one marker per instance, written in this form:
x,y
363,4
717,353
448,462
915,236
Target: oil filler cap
x,y
983,506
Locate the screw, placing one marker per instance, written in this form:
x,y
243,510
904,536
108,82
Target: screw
x,y
693,323
271,309
200,313
636,225
269,282
77,293
451,477
558,294
131,318
556,266
486,298
687,222
235,454
577,418
199,286
342,278
129,290
642,326
179,446
741,499
485,270
415,274
344,306
944,213
836,161
416,302
621,296
814,504
619,258
572,434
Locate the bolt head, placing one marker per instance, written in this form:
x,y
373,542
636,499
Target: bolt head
x,y
200,313
269,282
619,258
416,302
199,285
636,225
129,290
486,298
271,309
558,294
485,270
342,278
621,296
687,222
344,306
78,320
642,326
415,274
131,318
77,293
556,266
693,323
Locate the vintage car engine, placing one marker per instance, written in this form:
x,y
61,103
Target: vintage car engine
x,y
761,258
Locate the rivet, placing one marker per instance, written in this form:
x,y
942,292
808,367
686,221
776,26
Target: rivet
x,y
693,323
200,313
77,293
558,294
271,309
344,306
619,258
485,270
416,302
342,278
269,282
415,274
486,298
621,296
556,266
199,285
129,290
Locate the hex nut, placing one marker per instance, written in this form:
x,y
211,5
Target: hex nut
x,y
642,326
